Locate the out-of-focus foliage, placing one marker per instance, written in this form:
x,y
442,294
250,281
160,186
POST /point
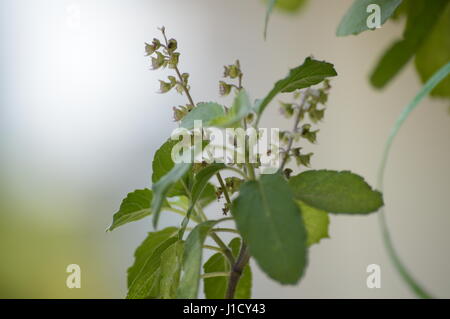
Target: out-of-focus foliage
x,y
290,6
425,38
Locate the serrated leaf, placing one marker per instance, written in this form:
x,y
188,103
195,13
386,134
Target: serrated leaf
x,y
422,17
269,221
435,52
355,19
311,72
163,164
206,112
171,261
134,207
144,275
316,222
162,187
241,107
336,192
192,260
215,287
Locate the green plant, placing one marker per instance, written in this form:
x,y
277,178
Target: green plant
x,y
425,38
277,215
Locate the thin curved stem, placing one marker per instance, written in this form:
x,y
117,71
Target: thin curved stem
x,y
225,230
401,268
224,188
218,249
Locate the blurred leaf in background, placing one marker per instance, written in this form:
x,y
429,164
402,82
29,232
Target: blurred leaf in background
x,y
36,250
425,38
289,6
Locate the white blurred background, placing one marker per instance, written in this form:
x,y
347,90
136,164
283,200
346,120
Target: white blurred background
x,y
80,120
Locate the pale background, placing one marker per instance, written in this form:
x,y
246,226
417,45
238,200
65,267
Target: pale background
x,y
80,121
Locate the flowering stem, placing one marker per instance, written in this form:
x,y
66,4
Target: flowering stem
x,y
294,130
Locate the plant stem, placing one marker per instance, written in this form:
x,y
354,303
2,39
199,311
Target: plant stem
x,y
218,249
294,130
215,274
236,271
226,230
177,71
223,246
224,188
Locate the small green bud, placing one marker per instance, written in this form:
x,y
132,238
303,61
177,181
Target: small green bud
x,y
250,117
172,46
173,80
233,184
156,44
164,87
224,88
232,71
284,137
287,172
179,88
185,78
304,159
181,111
316,115
158,61
287,109
173,61
308,134
149,49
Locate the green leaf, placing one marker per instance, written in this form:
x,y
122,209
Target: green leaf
x,y
270,6
144,275
240,108
269,221
134,207
290,5
316,222
285,5
215,287
355,20
206,112
171,261
192,260
162,187
163,164
202,177
422,17
336,192
435,52
197,193
311,72
208,195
